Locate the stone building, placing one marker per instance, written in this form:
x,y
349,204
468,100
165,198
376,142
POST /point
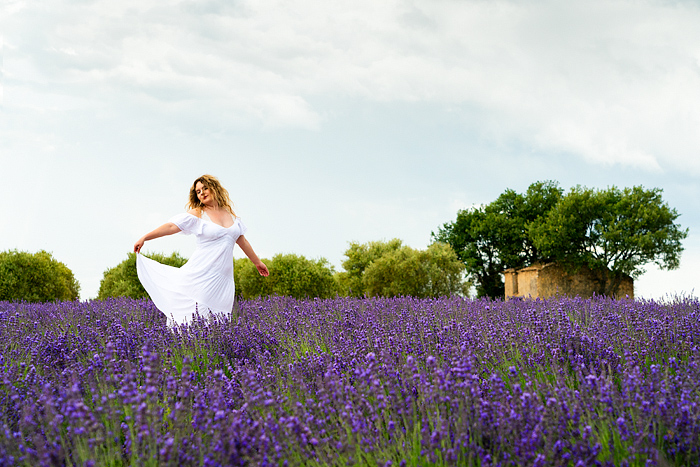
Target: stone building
x,y
546,280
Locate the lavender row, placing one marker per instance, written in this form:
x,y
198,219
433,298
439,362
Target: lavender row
x,y
350,381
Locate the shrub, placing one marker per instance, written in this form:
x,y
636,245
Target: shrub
x,y
35,277
390,269
290,275
359,257
435,272
123,281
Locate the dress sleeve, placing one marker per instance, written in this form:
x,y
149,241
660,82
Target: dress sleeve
x,y
242,226
188,223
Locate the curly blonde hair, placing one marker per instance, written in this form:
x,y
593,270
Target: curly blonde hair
x,y
220,193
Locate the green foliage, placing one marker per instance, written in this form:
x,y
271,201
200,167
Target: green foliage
x,y
491,238
249,283
390,269
359,257
36,277
123,281
435,272
291,275
614,232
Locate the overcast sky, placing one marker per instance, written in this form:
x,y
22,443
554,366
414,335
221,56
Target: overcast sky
x,y
335,121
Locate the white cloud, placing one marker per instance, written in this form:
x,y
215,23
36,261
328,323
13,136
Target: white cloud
x,y
610,81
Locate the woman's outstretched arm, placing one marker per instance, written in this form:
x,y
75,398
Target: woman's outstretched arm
x,y
162,231
248,250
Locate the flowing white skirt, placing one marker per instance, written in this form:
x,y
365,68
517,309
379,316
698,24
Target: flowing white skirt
x,y
181,292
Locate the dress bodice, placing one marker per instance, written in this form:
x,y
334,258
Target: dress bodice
x,y
207,231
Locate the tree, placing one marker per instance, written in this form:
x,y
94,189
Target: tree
x,y
359,257
123,281
389,269
613,232
478,238
36,277
291,275
489,239
435,272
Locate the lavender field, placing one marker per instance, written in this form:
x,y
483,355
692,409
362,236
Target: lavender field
x,y
353,382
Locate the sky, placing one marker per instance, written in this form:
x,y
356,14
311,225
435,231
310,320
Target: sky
x,y
331,122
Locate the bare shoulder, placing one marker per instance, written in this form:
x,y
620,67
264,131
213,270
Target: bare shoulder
x,y
195,212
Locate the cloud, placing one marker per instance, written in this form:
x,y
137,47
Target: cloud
x,y
613,82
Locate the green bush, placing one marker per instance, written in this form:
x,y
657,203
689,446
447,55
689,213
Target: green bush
x,y
36,277
435,272
290,275
390,269
123,281
359,257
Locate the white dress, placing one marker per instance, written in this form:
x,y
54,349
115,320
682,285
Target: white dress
x,y
205,282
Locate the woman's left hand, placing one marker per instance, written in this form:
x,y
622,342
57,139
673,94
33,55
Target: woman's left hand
x,y
262,269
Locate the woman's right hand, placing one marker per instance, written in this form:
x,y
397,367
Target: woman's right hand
x,y
138,245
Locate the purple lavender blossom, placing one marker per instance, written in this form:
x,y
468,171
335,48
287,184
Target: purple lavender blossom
x,y
352,381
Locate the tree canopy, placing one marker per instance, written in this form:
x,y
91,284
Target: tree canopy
x,y
290,274
358,257
617,231
612,231
491,238
35,277
434,272
390,269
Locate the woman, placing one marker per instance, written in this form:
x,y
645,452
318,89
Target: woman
x,y
205,282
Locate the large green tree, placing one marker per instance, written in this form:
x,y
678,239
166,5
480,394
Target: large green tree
x,y
491,238
614,232
35,277
123,281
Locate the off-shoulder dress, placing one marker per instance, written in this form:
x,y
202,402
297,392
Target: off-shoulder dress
x,y
205,282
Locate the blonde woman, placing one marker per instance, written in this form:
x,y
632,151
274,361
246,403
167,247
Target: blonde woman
x,y
205,282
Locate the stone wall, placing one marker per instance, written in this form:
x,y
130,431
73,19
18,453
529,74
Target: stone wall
x,y
547,280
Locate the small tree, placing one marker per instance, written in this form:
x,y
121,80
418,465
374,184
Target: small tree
x,y
389,269
359,257
36,277
291,275
249,283
434,272
614,232
122,280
